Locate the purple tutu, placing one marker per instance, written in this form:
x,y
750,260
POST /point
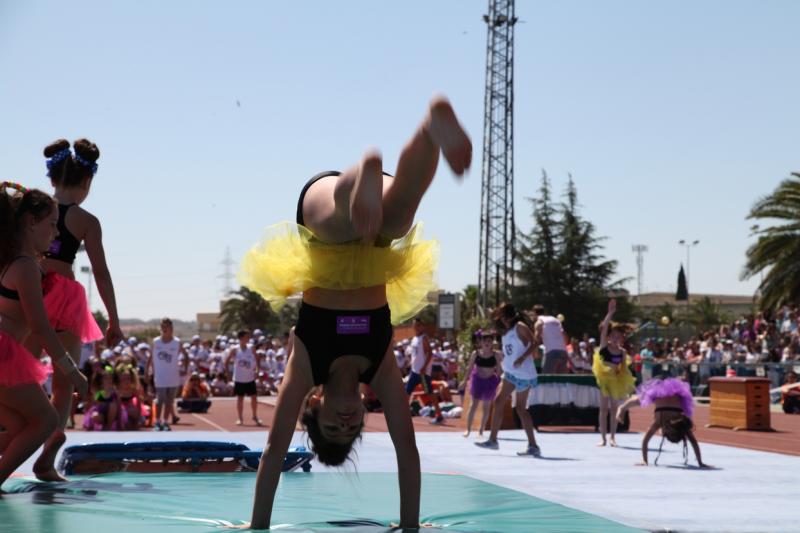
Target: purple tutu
x,y
483,389
656,389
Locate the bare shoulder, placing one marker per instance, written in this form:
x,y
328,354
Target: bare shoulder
x,y
22,268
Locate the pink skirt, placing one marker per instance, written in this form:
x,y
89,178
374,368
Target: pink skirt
x,y
67,308
17,365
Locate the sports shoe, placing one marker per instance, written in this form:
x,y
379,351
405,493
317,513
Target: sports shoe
x,y
157,426
439,420
531,450
489,444
165,427
258,421
176,419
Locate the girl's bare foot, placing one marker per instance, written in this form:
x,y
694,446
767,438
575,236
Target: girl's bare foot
x,y
444,130
613,442
44,468
465,434
601,443
366,206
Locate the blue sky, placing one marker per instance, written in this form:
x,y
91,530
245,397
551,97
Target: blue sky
x,y
672,117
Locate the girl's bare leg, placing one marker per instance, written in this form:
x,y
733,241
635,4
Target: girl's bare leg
x,y
362,203
471,416
439,131
603,420
31,404
44,467
612,408
347,207
525,416
12,424
486,407
499,403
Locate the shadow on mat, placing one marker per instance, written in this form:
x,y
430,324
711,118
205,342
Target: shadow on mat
x,y
639,448
693,467
363,525
84,485
76,492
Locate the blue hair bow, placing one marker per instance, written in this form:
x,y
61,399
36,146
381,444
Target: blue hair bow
x,y
87,164
58,157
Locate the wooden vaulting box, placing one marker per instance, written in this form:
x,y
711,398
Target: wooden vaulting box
x,y
740,403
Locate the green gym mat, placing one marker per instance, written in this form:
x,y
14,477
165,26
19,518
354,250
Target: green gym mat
x,y
306,502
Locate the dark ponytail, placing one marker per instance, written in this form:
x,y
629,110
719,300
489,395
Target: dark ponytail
x,y
15,202
506,311
675,430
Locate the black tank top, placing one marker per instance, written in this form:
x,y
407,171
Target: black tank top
x,y
485,362
609,357
65,247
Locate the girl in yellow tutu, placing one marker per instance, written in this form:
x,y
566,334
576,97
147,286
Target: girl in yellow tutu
x,y
360,266
610,368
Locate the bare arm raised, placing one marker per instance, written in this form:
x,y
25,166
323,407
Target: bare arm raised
x,y
296,384
388,386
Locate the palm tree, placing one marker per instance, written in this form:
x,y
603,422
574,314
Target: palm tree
x,y
246,309
705,314
776,253
469,303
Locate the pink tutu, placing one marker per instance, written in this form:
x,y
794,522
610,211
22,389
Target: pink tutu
x,y
656,389
17,365
67,309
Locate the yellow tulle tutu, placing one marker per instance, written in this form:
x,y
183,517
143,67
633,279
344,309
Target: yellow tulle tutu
x,y
290,260
613,382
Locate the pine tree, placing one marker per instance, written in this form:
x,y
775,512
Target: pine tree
x,y
561,265
682,294
585,274
538,275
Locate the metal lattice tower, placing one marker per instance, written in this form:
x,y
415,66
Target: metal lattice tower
x,y
639,250
227,274
496,266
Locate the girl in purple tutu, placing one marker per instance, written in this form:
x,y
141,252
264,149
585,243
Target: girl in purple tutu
x,y
483,373
71,171
673,414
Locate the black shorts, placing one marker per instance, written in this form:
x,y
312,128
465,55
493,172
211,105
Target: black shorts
x,y
245,389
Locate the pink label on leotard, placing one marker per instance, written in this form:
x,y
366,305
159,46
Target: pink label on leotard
x,y
352,325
